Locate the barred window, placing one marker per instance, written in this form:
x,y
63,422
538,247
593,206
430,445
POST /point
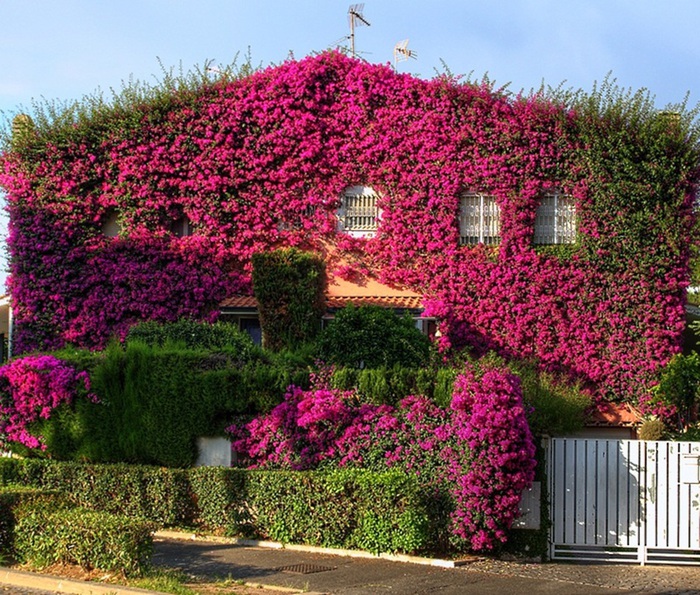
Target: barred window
x,y
555,220
479,219
358,214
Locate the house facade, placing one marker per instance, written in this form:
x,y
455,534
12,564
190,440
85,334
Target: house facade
x,y
539,229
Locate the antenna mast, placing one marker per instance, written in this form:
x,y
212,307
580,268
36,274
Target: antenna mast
x,y
356,19
402,53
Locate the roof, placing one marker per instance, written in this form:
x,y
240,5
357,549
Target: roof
x,y
615,415
364,292
397,302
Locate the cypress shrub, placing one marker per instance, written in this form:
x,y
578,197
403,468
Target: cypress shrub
x,y
289,286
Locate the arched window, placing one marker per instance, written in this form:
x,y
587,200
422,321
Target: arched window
x,y
358,214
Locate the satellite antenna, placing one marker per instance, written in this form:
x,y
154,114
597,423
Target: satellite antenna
x,y
356,20
402,53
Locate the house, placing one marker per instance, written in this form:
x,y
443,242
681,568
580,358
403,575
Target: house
x,y
526,225
243,309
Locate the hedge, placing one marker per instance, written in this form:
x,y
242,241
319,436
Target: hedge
x,y
78,536
13,498
349,508
154,402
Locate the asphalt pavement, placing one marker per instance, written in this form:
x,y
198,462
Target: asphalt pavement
x,y
314,571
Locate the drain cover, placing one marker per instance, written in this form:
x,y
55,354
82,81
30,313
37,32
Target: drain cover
x,y
304,568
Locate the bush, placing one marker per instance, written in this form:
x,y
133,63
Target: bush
x,y
379,512
373,337
385,511
15,497
196,335
652,429
87,538
289,286
554,407
155,402
679,389
154,494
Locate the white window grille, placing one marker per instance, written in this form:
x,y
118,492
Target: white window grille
x,y
479,219
555,220
358,214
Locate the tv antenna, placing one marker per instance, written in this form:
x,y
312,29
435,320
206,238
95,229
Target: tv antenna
x,y
402,53
356,19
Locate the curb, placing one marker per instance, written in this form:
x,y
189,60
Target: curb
x,y
310,549
45,582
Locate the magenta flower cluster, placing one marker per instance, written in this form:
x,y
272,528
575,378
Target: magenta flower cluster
x,y
480,449
262,162
30,389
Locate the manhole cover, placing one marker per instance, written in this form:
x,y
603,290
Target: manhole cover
x,y
304,568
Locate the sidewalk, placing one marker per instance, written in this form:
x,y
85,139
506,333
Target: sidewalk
x,y
294,570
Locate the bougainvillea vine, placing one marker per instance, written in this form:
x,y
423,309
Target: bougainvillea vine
x,y
261,162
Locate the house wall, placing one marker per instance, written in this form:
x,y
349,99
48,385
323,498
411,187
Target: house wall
x,y
262,162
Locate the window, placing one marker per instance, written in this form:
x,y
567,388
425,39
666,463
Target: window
x,y
181,227
555,221
479,219
358,214
110,225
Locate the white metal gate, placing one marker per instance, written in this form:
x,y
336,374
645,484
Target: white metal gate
x,y
624,500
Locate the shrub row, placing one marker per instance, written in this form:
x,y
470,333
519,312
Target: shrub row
x,y
87,538
387,386
13,498
153,402
349,508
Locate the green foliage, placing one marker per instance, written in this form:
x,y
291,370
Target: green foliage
x,y
196,335
373,337
289,286
154,494
95,117
444,386
13,498
347,508
652,429
154,402
220,497
90,539
388,386
554,406
679,386
384,511
635,156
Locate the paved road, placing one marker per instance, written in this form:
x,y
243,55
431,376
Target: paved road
x,y
322,573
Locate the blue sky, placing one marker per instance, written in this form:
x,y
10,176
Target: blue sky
x,y
65,49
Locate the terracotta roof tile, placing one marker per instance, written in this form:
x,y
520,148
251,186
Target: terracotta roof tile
x,y
402,302
239,301
615,415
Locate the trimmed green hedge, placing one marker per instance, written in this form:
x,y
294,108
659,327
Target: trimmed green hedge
x,y
13,498
349,508
77,536
154,402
